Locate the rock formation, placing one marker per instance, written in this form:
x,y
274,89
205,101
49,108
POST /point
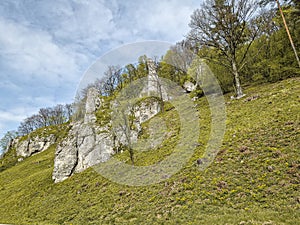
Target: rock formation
x,y
154,86
86,143
32,145
141,112
188,86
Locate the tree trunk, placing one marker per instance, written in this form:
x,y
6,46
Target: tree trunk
x,y
288,32
238,88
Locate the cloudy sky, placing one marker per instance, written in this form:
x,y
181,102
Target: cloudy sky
x,y
46,46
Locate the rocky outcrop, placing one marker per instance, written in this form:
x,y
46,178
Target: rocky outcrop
x,y
93,102
32,145
188,86
86,143
142,111
154,86
147,109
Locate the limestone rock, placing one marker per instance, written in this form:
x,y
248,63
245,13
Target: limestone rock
x,y
66,158
33,145
85,145
88,144
188,86
92,104
95,145
154,86
147,109
142,112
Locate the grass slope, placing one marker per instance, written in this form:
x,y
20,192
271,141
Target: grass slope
x,y
255,178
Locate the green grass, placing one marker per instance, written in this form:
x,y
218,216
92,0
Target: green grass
x,y
255,178
59,131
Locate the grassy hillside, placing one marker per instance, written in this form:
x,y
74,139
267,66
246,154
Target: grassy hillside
x,y
255,179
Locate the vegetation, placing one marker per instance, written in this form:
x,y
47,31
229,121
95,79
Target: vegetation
x,y
10,157
6,140
266,56
255,177
253,180
229,28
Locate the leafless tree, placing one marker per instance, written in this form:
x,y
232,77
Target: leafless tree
x,y
180,55
56,115
112,79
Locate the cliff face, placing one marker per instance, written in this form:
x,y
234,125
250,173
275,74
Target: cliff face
x,y
33,145
87,143
36,142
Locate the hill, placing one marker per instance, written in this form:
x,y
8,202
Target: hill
x,y
254,179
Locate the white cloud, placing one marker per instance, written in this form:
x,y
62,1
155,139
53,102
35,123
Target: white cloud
x,y
168,20
10,119
10,116
154,19
45,46
86,23
34,54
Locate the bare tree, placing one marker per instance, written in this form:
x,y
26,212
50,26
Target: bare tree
x,y
45,116
180,55
226,27
56,115
69,110
112,79
27,126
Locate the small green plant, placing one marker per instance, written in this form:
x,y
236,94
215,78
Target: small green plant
x,y
253,180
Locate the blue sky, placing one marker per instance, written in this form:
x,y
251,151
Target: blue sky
x,y
46,46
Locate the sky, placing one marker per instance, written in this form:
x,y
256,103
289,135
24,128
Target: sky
x,y
46,46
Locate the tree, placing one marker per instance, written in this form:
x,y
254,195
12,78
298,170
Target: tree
x,y
112,79
27,126
69,110
142,67
131,72
276,59
44,114
56,115
176,62
180,55
228,27
297,13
